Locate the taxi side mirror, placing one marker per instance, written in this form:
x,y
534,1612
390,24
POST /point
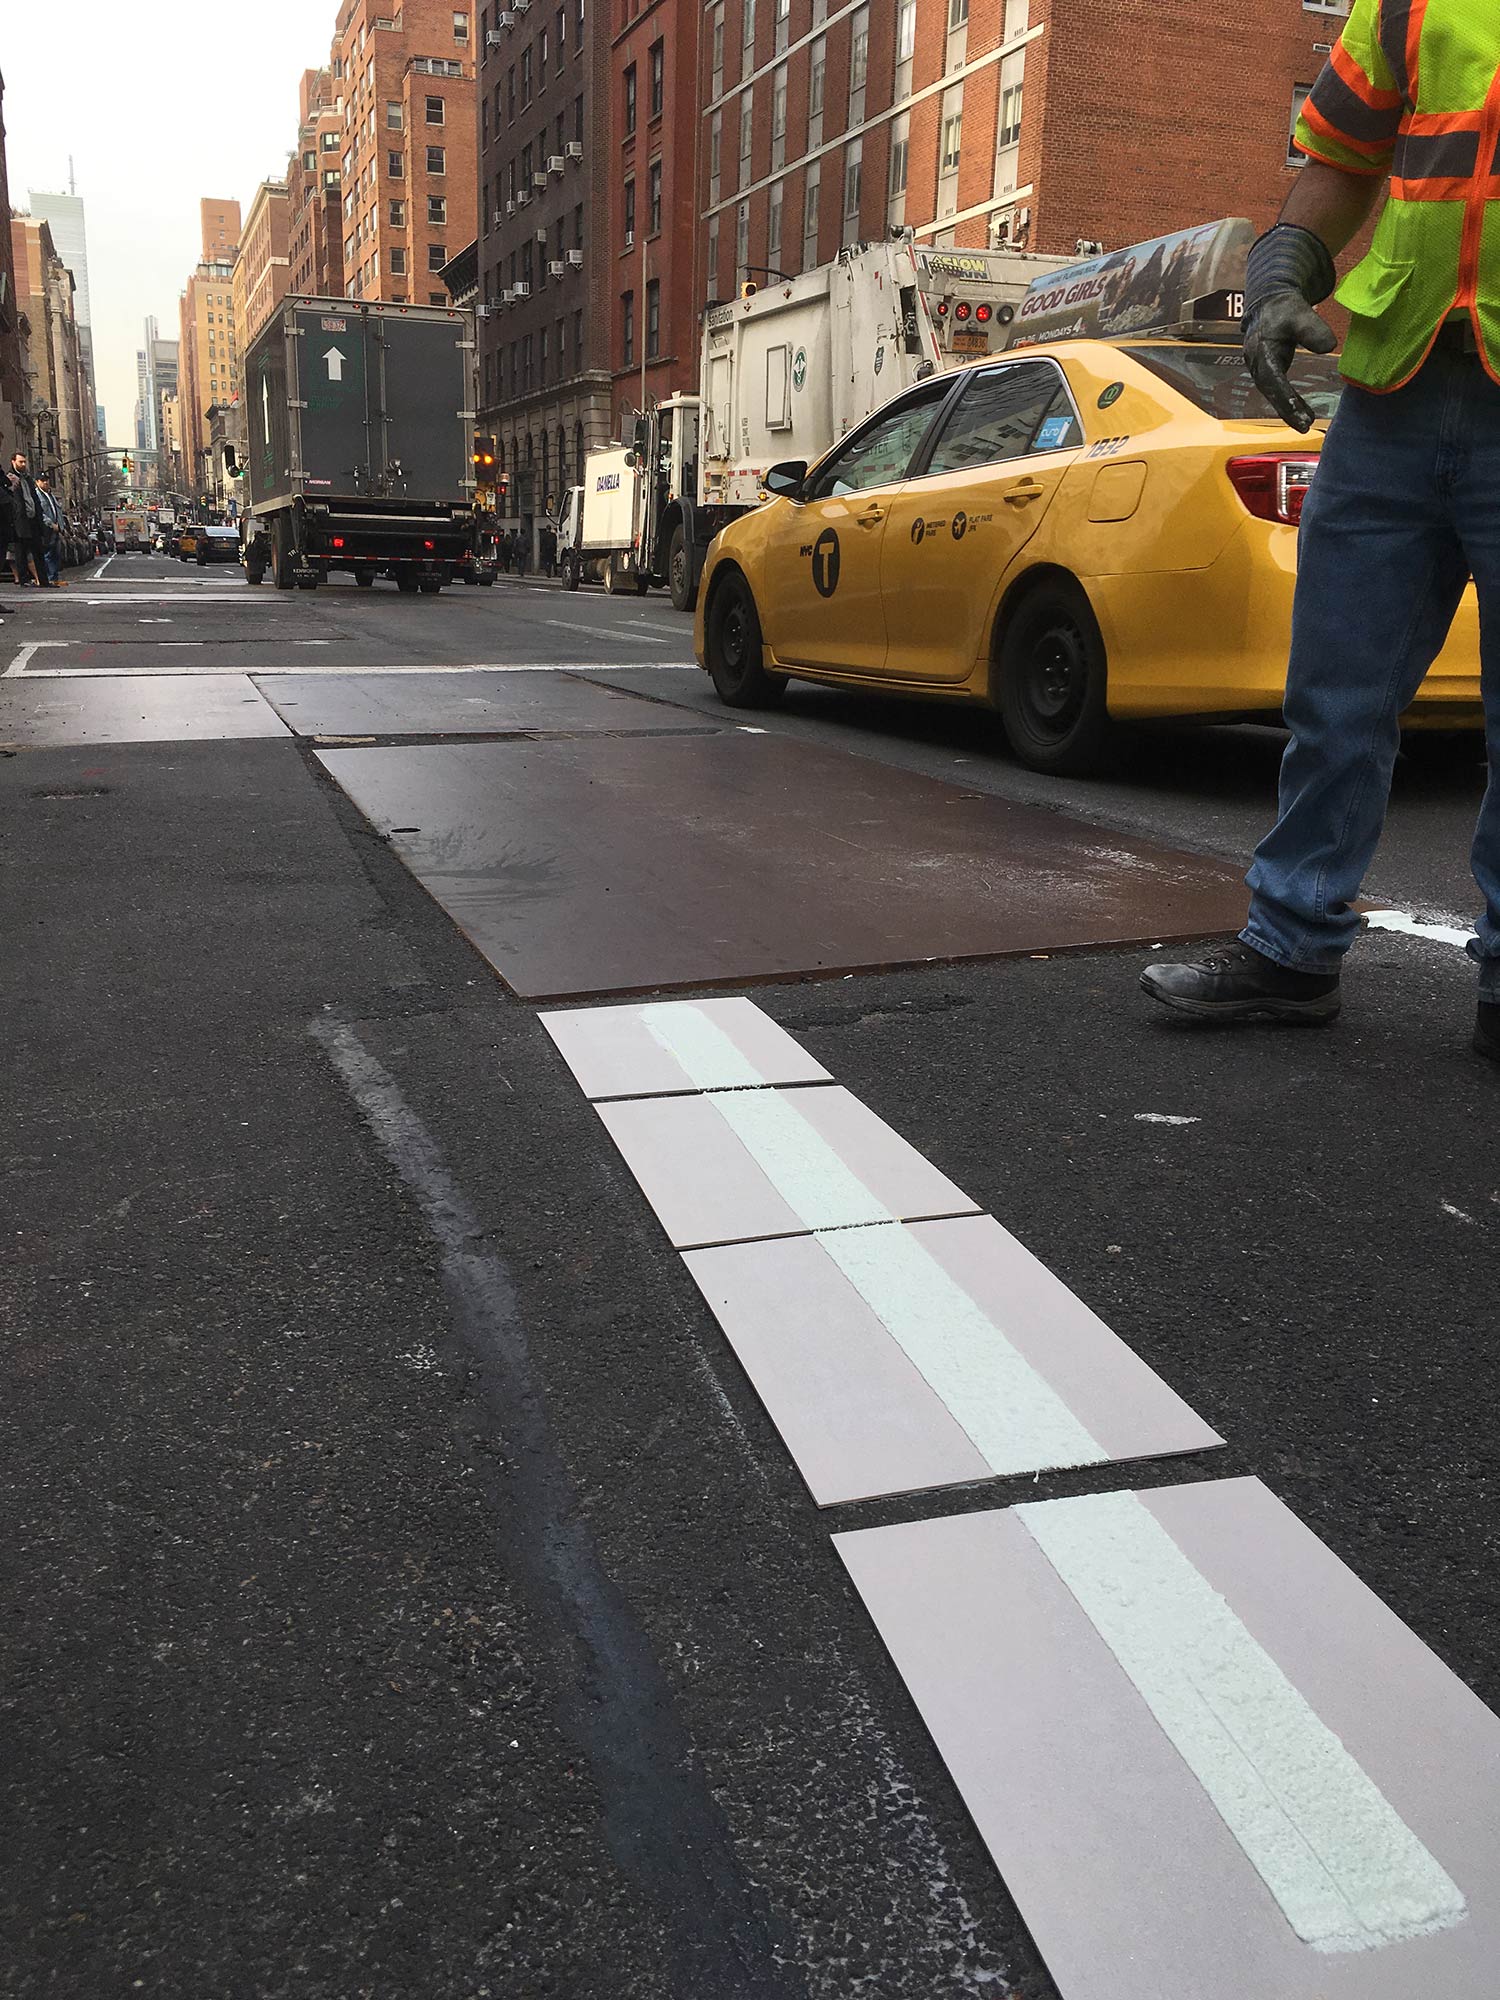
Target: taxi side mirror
x,y
785,480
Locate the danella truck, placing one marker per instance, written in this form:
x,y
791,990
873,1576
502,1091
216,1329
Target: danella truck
x,y
784,372
360,445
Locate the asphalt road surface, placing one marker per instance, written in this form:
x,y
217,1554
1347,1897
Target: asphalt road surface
x,y
407,1590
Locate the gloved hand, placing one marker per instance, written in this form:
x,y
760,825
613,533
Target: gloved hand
x,y
1290,270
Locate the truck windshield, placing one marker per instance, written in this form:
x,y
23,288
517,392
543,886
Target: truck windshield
x,y
1218,382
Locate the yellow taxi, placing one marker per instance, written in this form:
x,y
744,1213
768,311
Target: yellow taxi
x,y
1080,533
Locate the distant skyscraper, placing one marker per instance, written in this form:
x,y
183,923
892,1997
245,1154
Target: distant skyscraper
x,y
63,214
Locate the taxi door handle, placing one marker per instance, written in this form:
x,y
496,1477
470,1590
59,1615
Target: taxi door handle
x,y
1023,492
871,519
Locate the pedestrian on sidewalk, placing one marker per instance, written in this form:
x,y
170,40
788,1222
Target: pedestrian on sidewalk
x,y
522,550
52,527
26,559
1406,502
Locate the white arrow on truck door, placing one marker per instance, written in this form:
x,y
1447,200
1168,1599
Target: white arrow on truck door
x,y
335,362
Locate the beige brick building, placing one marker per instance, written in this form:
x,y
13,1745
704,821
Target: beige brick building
x,y
208,349
261,270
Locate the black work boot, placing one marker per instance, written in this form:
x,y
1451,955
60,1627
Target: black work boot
x,y
1487,1029
1235,983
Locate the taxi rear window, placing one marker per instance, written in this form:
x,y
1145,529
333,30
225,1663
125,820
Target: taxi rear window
x,y
1218,382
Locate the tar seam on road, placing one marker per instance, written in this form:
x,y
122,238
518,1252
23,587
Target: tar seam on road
x,y
663,1826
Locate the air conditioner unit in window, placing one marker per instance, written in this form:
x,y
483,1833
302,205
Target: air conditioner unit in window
x,y
539,180
496,218
523,195
630,239
555,163
575,258
541,237
510,208
574,149
523,6
508,296
555,267
492,39
523,290
507,19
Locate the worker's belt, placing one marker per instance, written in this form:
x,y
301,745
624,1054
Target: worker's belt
x,y
1456,336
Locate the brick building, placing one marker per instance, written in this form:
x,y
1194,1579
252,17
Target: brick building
x,y
208,350
1041,123
262,267
546,165
58,425
653,203
314,191
408,162
13,398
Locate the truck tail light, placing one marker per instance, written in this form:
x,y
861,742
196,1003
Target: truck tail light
x,y
942,309
338,541
961,310
1273,484
429,545
982,314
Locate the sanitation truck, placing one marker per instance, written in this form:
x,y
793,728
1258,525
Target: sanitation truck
x,y
360,445
785,372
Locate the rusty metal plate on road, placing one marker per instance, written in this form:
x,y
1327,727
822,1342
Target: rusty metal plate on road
x,y
626,865
463,704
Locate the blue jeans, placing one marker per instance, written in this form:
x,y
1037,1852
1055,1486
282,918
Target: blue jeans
x,y
1405,507
53,560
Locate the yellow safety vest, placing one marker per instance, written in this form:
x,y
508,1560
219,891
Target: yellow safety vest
x,y
1413,90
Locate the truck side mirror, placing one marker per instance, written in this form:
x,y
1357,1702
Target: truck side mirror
x,y
642,439
785,480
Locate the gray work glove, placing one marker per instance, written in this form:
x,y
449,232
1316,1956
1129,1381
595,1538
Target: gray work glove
x,y
1290,270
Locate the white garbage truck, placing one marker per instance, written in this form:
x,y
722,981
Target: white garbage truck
x,y
784,372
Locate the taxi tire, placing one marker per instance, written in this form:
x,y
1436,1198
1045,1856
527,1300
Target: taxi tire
x,y
1054,683
734,650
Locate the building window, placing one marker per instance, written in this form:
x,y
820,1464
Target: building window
x,y
629,213
1010,115
541,61
630,100
627,324
747,132
1300,94
434,111
859,49
783,25
437,256
398,214
778,119
715,151
525,78
398,263
748,24
816,71
653,184
811,194
393,165
717,63
437,211
658,77
713,259
561,37
460,27
653,319
741,237
958,13
953,133
898,162
906,30
773,223
331,175
436,160
853,168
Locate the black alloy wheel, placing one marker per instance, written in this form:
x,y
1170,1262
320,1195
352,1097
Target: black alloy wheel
x,y
1054,683
734,649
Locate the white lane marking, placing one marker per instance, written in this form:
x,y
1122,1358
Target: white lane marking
x,y
153,621
101,569
312,642
178,642
1015,1419
709,1059
1458,1214
609,633
17,666
162,597
1345,1868
1398,920
1163,1118
582,667
820,1188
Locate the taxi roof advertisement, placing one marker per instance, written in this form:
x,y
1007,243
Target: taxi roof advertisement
x,y
1142,288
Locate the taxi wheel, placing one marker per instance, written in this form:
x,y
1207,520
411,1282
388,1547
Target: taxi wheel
x,y
1054,681
734,649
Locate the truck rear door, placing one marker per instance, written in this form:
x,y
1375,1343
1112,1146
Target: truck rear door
x,y
421,370
332,386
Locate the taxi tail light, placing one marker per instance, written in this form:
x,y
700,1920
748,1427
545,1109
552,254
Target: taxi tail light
x,y
1273,485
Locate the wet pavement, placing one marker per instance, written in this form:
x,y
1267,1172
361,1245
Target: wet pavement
x,y
410,1590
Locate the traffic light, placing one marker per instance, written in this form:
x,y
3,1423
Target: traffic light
x,y
484,456
125,465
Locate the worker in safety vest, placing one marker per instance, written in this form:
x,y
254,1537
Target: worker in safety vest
x,y
1406,501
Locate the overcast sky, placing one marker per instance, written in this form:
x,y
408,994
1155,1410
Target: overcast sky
x,y
158,105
